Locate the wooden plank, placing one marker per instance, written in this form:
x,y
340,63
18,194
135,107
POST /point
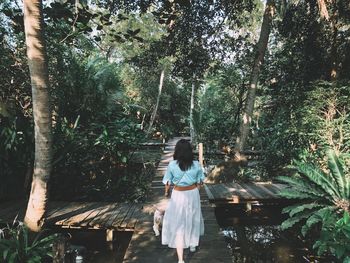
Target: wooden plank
x,y
68,218
136,216
95,213
76,220
105,214
209,193
252,189
240,191
226,191
268,191
54,207
64,212
118,221
116,215
214,191
128,217
260,191
274,188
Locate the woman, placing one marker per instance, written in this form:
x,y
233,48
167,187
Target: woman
x,y
183,221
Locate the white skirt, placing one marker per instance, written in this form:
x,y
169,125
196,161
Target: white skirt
x,y
183,220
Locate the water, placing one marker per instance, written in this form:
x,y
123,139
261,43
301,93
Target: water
x,y
254,237
93,247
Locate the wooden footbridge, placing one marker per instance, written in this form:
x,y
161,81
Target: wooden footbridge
x,y
245,193
144,246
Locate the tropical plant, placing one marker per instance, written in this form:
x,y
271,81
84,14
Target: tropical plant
x,y
16,245
335,236
322,193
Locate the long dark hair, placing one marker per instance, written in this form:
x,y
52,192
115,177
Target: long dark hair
x,y
183,154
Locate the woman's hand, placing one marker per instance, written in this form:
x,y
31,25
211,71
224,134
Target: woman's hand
x,y
199,185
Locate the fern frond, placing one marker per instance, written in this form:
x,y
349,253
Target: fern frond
x,y
292,194
316,218
295,219
289,208
336,171
302,185
319,177
301,208
312,220
347,186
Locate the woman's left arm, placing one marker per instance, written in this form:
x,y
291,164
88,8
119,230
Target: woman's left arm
x,y
168,176
200,176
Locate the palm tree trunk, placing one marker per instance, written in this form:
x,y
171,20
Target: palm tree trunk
x,y
153,117
254,77
37,61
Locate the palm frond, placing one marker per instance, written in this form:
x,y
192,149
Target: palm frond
x,y
318,177
299,184
292,194
301,208
337,171
288,223
316,218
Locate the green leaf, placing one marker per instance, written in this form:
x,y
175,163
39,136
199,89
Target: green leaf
x,y
336,171
301,208
312,220
292,194
319,177
302,185
13,258
339,251
295,219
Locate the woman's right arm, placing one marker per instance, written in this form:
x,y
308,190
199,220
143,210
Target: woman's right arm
x,y
200,176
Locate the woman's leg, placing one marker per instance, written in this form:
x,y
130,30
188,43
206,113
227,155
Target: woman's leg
x,y
180,253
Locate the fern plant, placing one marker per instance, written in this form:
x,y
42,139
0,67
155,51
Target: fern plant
x,y
321,193
16,245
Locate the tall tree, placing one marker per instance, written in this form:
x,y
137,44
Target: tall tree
x,y
37,61
154,113
192,131
254,77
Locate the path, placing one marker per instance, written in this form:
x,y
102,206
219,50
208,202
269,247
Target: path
x,y
145,247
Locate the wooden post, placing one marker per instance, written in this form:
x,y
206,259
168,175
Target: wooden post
x,y
59,249
248,207
235,199
109,235
200,154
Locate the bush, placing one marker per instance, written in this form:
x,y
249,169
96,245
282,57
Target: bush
x,y
324,194
17,245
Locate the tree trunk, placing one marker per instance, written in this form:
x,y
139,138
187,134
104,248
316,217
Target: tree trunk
x,y
192,131
322,7
334,43
254,77
161,81
37,61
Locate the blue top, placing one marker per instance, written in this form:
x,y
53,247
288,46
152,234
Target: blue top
x,y
176,176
